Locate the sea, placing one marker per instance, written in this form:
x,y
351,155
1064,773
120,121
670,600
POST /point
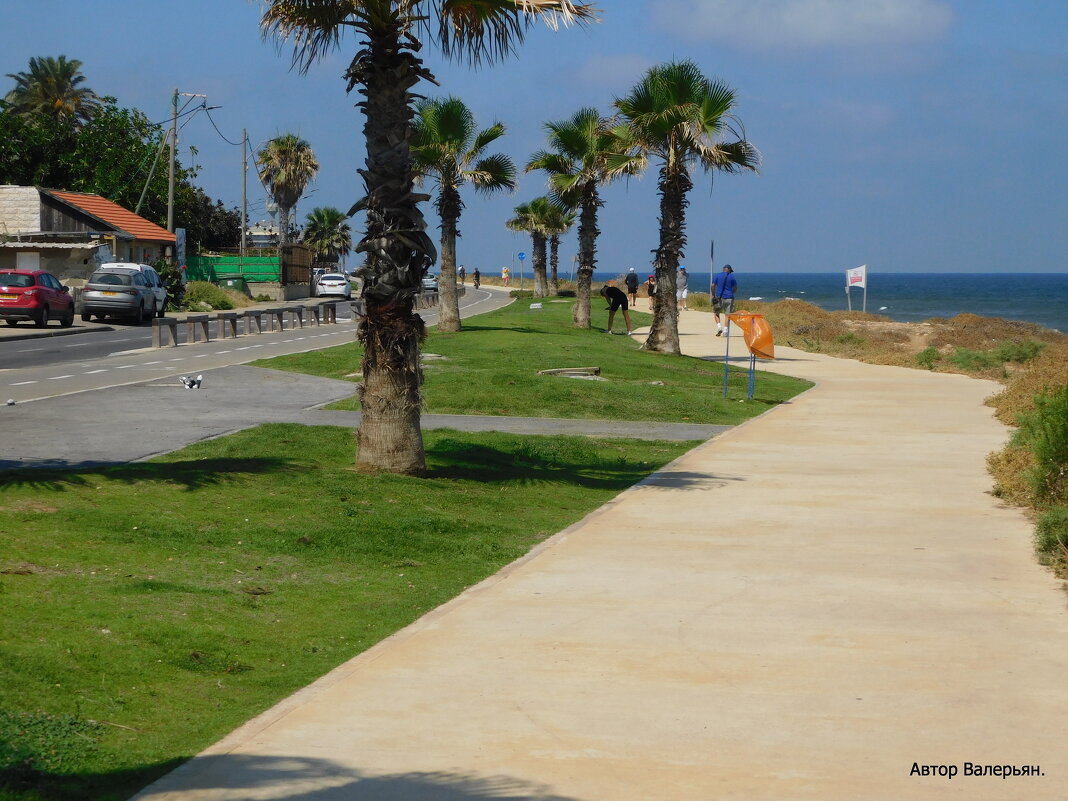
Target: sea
x,y
911,297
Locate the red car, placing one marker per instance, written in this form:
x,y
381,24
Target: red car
x,y
34,295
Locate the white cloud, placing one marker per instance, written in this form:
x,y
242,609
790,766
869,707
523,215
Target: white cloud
x,y
807,23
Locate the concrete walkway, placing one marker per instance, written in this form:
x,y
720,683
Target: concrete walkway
x,y
802,608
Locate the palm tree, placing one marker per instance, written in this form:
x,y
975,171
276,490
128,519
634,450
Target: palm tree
x,y
328,233
584,154
677,114
287,164
536,218
560,221
448,146
385,71
52,88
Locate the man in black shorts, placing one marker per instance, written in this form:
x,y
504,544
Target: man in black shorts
x,y
631,280
616,300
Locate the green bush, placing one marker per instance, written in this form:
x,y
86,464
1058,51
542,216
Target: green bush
x,y
850,339
262,298
173,280
521,293
975,361
1018,352
1051,533
198,292
1045,431
928,357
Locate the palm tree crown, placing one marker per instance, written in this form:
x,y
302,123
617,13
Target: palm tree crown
x,y
328,232
286,164
585,152
52,88
448,147
678,115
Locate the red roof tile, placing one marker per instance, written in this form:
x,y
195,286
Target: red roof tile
x,y
114,215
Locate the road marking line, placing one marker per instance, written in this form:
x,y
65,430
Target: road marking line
x,y
90,372
23,383
58,377
178,359
125,366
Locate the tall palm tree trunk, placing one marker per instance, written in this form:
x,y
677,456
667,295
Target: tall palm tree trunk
x,y
448,298
587,236
664,332
541,284
390,437
554,264
283,225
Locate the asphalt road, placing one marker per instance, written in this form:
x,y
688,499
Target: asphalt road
x,y
65,364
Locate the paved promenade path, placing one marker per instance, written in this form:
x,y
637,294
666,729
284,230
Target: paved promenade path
x,y
801,608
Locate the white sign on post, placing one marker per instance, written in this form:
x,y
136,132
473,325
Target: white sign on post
x,y
858,276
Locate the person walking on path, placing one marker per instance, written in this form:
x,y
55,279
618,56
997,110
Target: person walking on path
x,y
724,286
462,273
616,300
650,288
506,276
682,283
631,280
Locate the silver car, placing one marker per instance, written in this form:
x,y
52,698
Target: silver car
x,y
115,293
159,289
333,284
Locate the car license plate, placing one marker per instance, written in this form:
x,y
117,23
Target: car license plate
x,y
110,294
9,297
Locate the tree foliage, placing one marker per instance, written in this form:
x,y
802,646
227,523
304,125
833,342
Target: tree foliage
x,y
111,154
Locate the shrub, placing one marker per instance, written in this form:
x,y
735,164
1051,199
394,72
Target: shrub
x,y
173,280
1018,352
928,357
1046,431
974,361
1051,533
204,292
262,298
566,293
521,293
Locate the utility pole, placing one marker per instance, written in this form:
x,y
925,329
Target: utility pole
x,y
174,151
244,193
170,174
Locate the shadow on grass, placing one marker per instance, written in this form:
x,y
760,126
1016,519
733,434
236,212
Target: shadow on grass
x,y
278,778
459,460
190,474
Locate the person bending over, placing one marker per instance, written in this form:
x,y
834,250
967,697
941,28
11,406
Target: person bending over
x,y
616,300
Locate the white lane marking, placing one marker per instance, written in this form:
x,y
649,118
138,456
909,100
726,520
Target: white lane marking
x,y
23,383
221,352
125,366
28,350
178,359
58,377
148,364
79,345
90,372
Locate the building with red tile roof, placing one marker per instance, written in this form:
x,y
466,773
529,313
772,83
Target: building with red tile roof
x,y
69,233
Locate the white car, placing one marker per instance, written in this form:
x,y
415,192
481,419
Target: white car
x,y
333,284
152,278
430,283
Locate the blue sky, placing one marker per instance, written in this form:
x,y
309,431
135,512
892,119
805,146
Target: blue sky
x,y
911,135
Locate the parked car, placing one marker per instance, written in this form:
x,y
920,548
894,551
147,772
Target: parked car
x,y
114,293
333,284
159,289
430,283
34,295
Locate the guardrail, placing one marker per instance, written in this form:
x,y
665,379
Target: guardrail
x,y
165,329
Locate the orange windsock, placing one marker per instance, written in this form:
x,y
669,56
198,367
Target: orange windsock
x,y
757,333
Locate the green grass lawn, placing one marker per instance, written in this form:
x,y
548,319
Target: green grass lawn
x,y
491,367
150,608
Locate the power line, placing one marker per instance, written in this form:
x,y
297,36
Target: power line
x,y
220,133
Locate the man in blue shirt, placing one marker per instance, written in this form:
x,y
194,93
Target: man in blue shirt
x,y
724,286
